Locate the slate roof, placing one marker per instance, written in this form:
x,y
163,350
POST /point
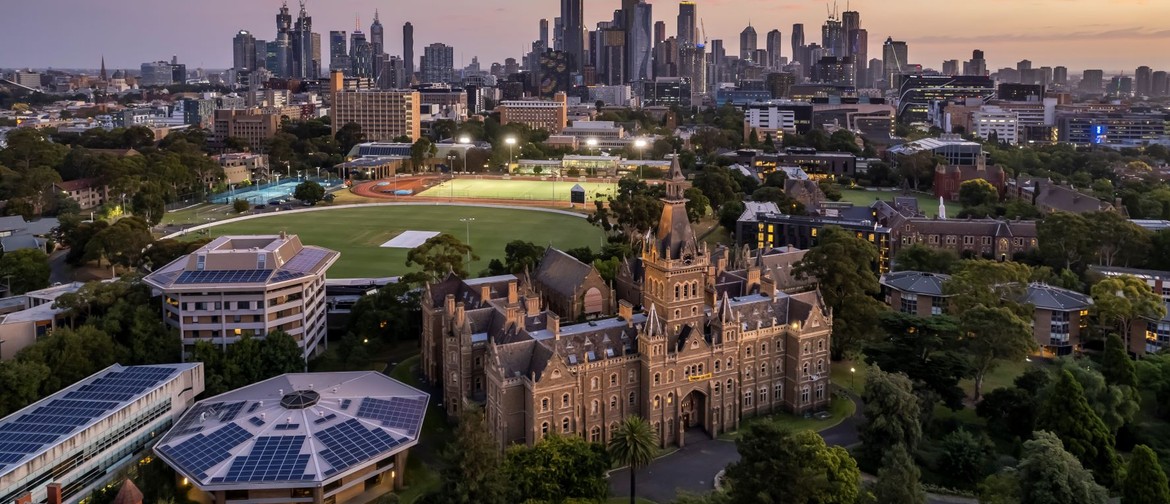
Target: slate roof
x,y
916,282
1047,297
561,272
128,494
19,242
1066,199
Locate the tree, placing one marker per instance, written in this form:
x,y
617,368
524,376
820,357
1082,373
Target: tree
x,y
916,168
697,204
843,266
348,136
994,335
309,192
1145,482
716,184
891,415
1001,488
240,206
421,150
1064,239
780,466
729,215
1010,412
25,270
22,381
71,354
440,255
633,445
471,464
927,350
279,354
964,456
558,468
1124,299
898,479
918,257
1116,366
987,283
1066,414
1116,240
521,256
123,242
1116,405
977,193
1051,475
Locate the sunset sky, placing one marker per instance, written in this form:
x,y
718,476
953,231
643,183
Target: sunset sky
x,y
1116,35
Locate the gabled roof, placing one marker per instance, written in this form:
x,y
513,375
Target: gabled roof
x,y
128,494
916,282
561,272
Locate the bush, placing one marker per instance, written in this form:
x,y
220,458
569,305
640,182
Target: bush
x,y
240,206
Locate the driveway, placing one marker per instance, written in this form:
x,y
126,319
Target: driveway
x,y
692,468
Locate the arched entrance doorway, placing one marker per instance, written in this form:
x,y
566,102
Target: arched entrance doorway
x,y
693,411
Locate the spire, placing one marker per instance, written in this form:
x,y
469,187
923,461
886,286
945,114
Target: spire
x,y
103,72
725,314
675,236
653,323
375,15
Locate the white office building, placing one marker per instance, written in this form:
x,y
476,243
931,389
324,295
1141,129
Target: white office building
x,y
1005,125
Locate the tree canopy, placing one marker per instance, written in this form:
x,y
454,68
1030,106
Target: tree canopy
x,y
891,415
1051,475
558,468
843,266
785,467
440,255
309,192
25,270
1066,414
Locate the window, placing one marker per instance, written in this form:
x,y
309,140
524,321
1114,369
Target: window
x,y
952,239
613,402
909,303
805,348
1059,328
632,399
968,240
747,374
595,435
544,430
200,262
820,345
261,259
763,349
764,369
670,376
730,386
747,398
565,401
544,404
938,305
717,385
677,292
565,425
657,402
716,365
804,370
613,379
670,398
763,395
657,378
748,351
820,365
730,361
778,392
986,240
820,392
804,391
594,407
630,376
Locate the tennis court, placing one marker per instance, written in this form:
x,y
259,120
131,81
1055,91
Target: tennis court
x,y
262,193
535,190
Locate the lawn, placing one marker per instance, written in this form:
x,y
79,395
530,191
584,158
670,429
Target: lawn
x,y
358,233
927,203
535,190
840,375
421,476
840,408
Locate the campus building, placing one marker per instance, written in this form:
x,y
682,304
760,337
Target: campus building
x,y
915,292
252,125
318,438
247,285
551,116
382,114
709,340
62,447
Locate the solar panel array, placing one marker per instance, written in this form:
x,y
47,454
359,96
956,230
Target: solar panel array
x,y
256,421
273,458
403,413
306,259
201,452
30,432
286,275
350,443
345,403
325,418
287,426
229,412
224,276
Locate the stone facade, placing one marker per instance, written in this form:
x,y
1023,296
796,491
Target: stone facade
x,y
707,347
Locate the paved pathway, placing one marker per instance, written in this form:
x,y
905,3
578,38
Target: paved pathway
x,y
693,467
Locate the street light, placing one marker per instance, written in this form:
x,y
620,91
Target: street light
x,y
511,141
468,222
852,382
640,145
465,139
592,143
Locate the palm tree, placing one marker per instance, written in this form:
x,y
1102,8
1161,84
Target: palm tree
x,y
633,444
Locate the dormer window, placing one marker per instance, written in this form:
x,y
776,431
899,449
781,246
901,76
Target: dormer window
x,y
261,260
200,262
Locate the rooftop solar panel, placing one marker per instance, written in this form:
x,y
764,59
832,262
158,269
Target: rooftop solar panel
x,y
256,421
229,412
325,418
350,442
201,452
223,276
305,260
273,458
287,426
403,413
282,275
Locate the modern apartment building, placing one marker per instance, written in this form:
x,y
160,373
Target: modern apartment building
x,y
88,192
551,116
254,125
382,114
915,292
247,285
62,447
241,166
1059,317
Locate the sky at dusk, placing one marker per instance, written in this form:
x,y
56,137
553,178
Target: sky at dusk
x,y
1116,35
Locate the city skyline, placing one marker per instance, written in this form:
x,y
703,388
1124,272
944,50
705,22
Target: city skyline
x,y
1078,34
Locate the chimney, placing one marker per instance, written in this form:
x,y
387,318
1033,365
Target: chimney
x,y
460,315
532,304
513,294
26,498
626,312
54,491
485,293
554,325
449,303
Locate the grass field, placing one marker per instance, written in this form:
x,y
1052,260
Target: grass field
x,y
358,232
535,190
928,204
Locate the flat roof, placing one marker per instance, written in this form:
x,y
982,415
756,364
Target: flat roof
x,y
294,430
32,431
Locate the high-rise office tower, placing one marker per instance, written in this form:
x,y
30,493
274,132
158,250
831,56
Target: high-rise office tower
x,y
859,51
894,54
283,43
950,67
850,23
408,53
1092,81
976,66
747,43
306,55
1023,65
573,18
361,55
1060,76
659,32
1159,82
876,71
244,51
438,63
687,22
338,54
378,50
798,48
774,42
544,33
639,42
833,37
1143,80
558,34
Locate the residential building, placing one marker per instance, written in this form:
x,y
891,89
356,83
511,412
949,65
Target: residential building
x,y
915,292
551,116
246,285
1059,317
87,192
241,166
696,355
255,126
382,114
318,438
438,63
80,438
26,318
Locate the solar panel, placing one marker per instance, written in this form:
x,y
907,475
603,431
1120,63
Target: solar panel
x,y
229,412
286,275
253,407
224,276
287,426
201,452
305,260
273,458
256,421
325,418
397,413
345,403
350,443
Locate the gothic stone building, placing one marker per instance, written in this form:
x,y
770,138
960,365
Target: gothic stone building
x,y
708,346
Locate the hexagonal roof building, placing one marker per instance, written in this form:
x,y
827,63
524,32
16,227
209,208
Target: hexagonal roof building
x,y
309,434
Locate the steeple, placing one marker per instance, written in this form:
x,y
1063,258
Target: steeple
x,y
676,239
105,78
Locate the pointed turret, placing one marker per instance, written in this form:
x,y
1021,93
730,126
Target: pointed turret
x,y
725,314
104,77
653,323
676,239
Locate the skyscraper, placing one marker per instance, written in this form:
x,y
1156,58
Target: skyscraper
x,y
687,17
573,18
1143,80
859,44
361,55
338,54
244,51
659,32
950,67
747,43
798,48
833,37
544,33
894,54
1060,76
775,42
976,66
558,34
408,53
850,23
438,63
639,42
306,55
377,35
1092,81
378,51
283,43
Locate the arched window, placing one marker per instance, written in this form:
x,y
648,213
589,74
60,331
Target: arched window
x,y
677,292
804,369
633,398
612,402
820,391
565,400
820,345
730,386
657,378
700,368
763,349
630,376
716,365
657,401
594,383
804,348
820,365
544,404
764,369
730,361
670,398
748,351
594,407
613,379
595,435
544,430
717,385
613,427
670,376
804,394
747,374
565,425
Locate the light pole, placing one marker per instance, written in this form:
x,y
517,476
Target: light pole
x,y
852,382
511,141
468,221
592,143
640,145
